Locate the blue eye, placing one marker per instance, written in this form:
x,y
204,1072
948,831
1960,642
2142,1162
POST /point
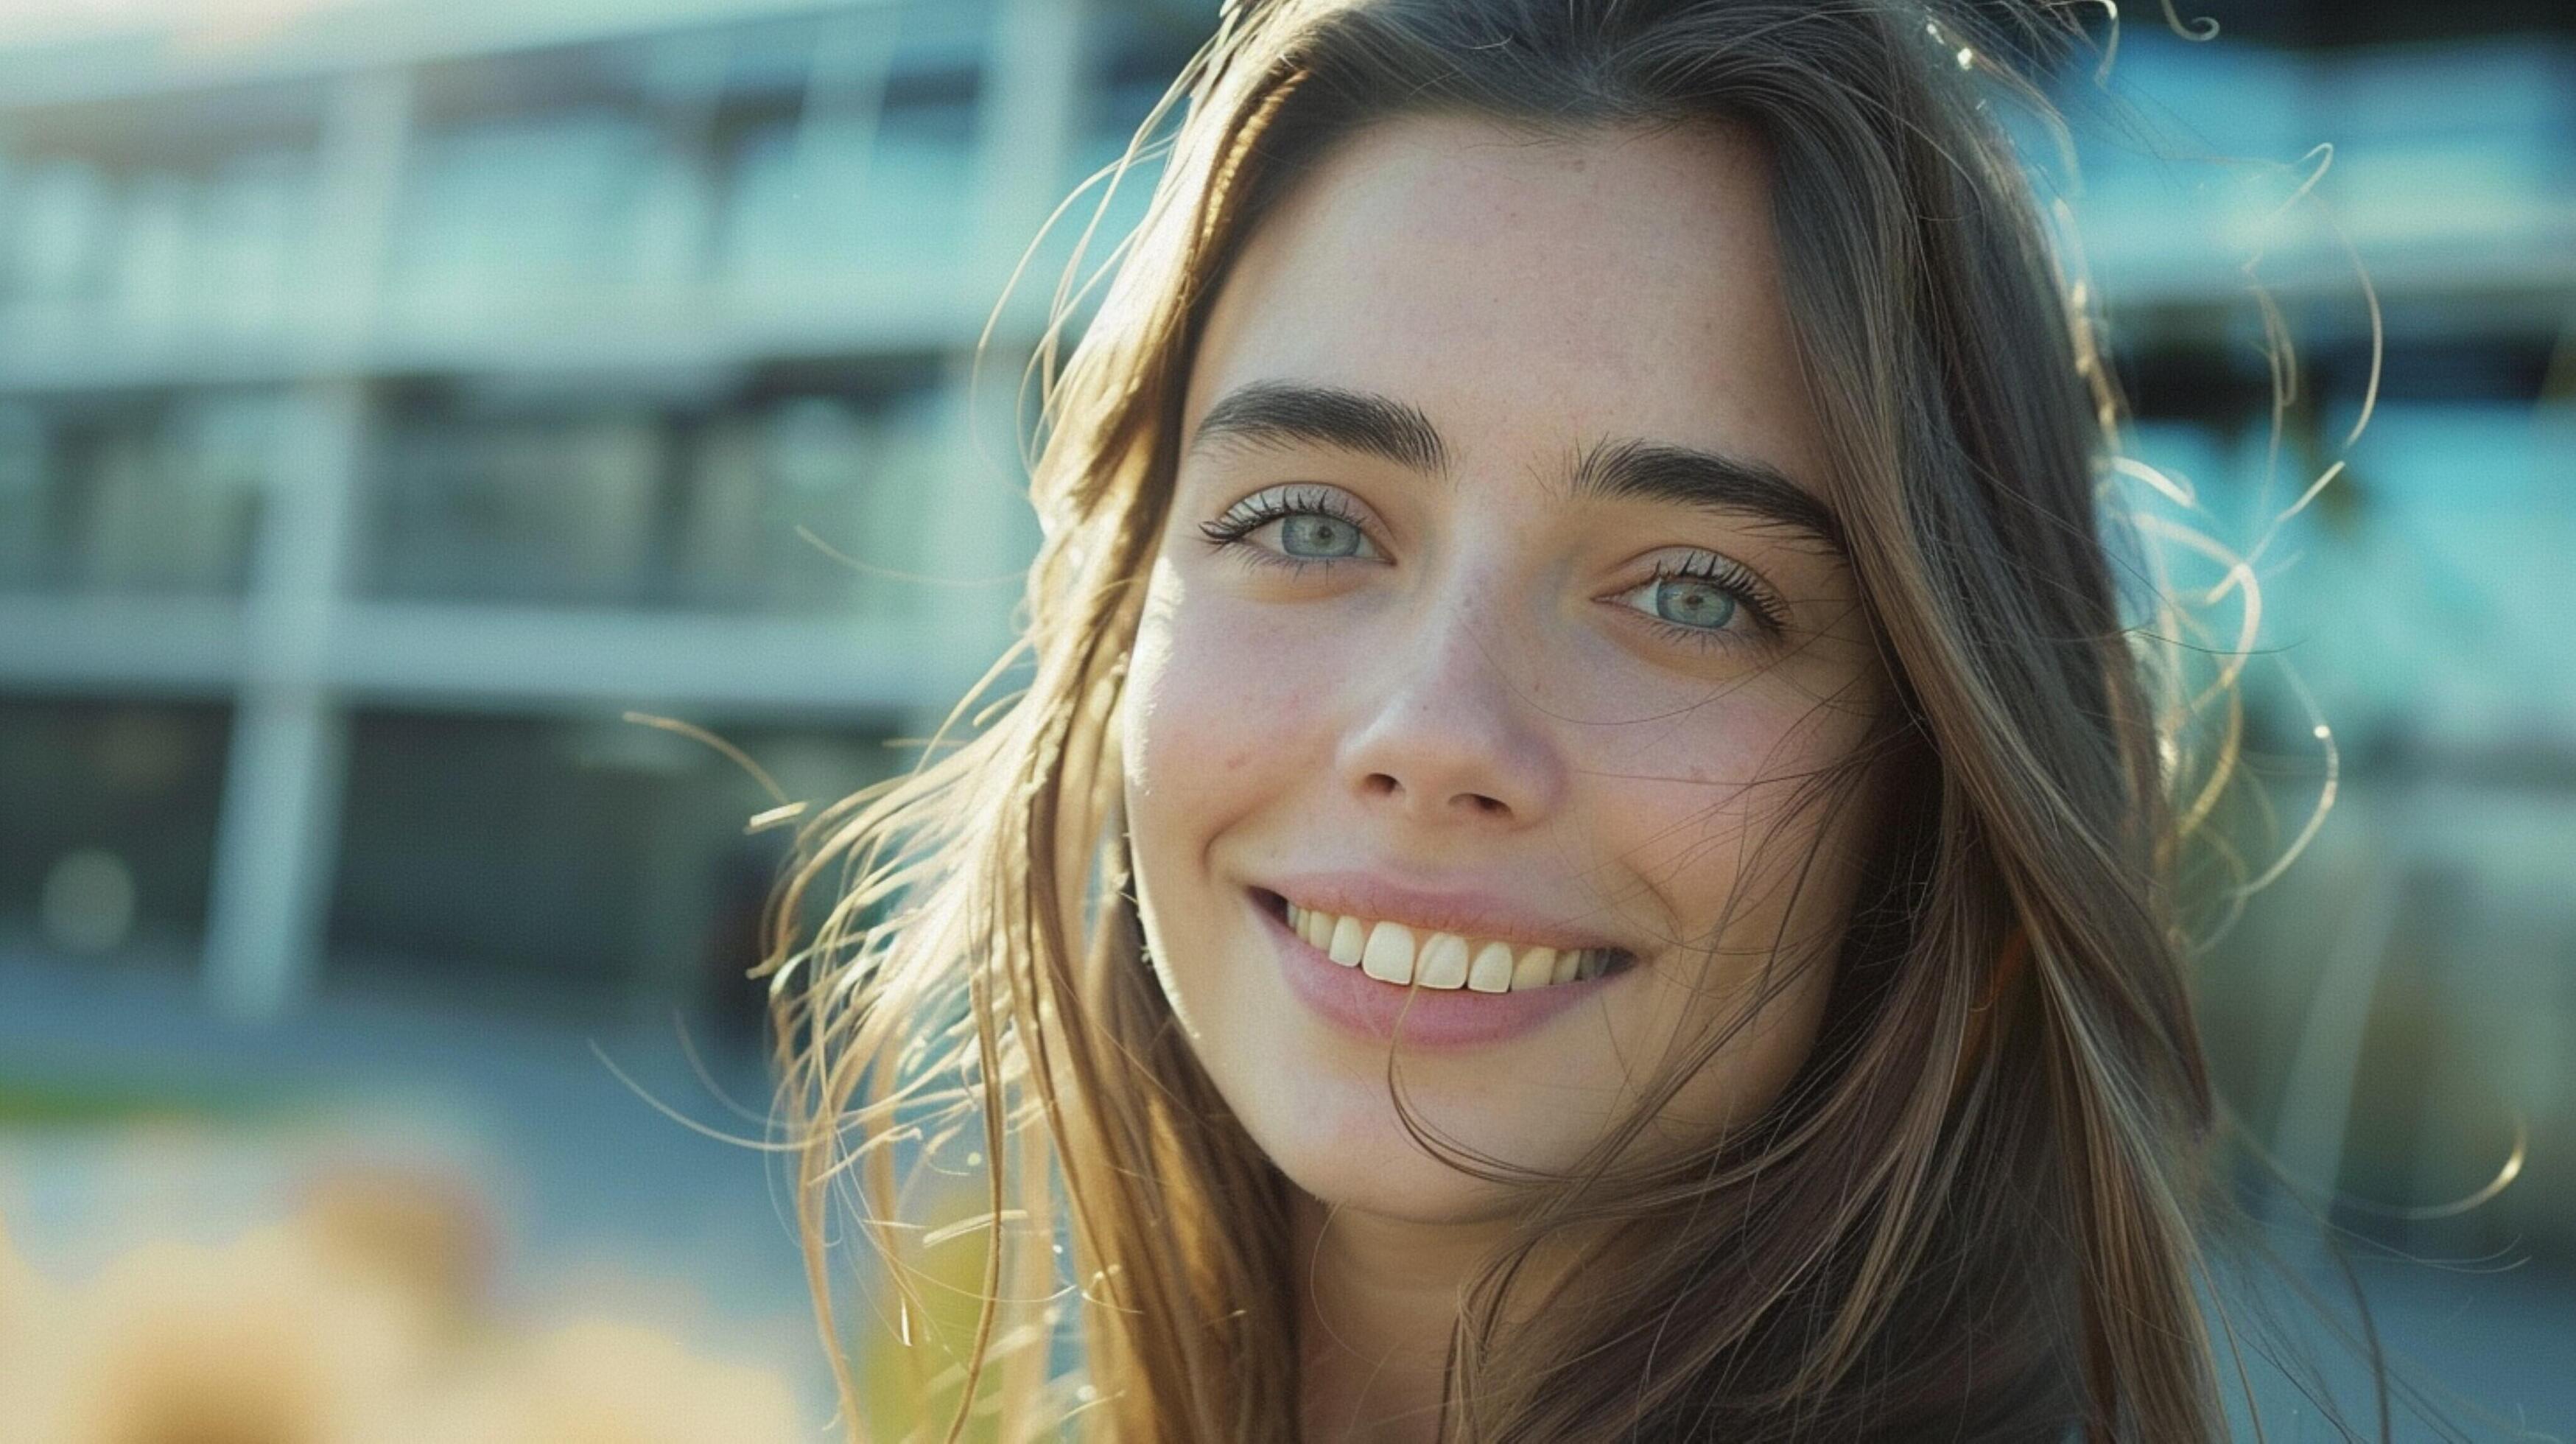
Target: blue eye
x,y
1316,528
1706,601
1313,534
1694,603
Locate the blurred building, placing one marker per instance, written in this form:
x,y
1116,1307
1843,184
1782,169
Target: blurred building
x,y
393,394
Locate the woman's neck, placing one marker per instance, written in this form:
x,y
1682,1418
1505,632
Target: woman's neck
x,y
1377,1300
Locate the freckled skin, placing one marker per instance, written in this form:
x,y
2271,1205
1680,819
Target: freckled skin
x,y
1487,700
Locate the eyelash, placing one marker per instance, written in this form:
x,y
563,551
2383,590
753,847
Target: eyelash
x,y
1729,576
1255,512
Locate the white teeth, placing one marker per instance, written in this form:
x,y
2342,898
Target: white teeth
x,y
1344,945
1389,954
1442,963
1392,953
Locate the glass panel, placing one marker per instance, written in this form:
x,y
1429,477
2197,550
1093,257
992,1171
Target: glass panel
x,y
556,502
110,830
135,494
498,212
774,490
494,859
584,498
185,213
29,550
849,200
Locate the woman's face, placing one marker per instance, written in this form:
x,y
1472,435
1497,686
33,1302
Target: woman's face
x,y
1497,621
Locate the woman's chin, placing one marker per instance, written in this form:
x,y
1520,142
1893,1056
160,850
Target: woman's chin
x,y
1422,1193
1360,1157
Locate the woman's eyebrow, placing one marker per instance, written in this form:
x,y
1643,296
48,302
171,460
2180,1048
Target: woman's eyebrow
x,y
1704,481
1292,413
1287,413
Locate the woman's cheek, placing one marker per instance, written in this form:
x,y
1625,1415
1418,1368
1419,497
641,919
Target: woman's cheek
x,y
1223,694
1707,818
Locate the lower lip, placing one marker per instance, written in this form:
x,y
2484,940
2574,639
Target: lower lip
x,y
1356,1003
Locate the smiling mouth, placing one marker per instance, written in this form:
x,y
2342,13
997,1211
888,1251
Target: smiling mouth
x,y
1403,956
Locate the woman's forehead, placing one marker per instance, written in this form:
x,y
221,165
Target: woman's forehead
x,y
1526,292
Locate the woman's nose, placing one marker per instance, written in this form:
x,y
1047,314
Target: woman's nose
x,y
1448,728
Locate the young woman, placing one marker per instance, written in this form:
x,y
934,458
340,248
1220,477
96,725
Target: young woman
x,y
1584,854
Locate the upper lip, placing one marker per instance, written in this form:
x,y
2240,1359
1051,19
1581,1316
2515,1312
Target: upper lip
x,y
1466,912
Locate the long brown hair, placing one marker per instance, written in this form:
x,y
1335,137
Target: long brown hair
x,y
1973,1212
